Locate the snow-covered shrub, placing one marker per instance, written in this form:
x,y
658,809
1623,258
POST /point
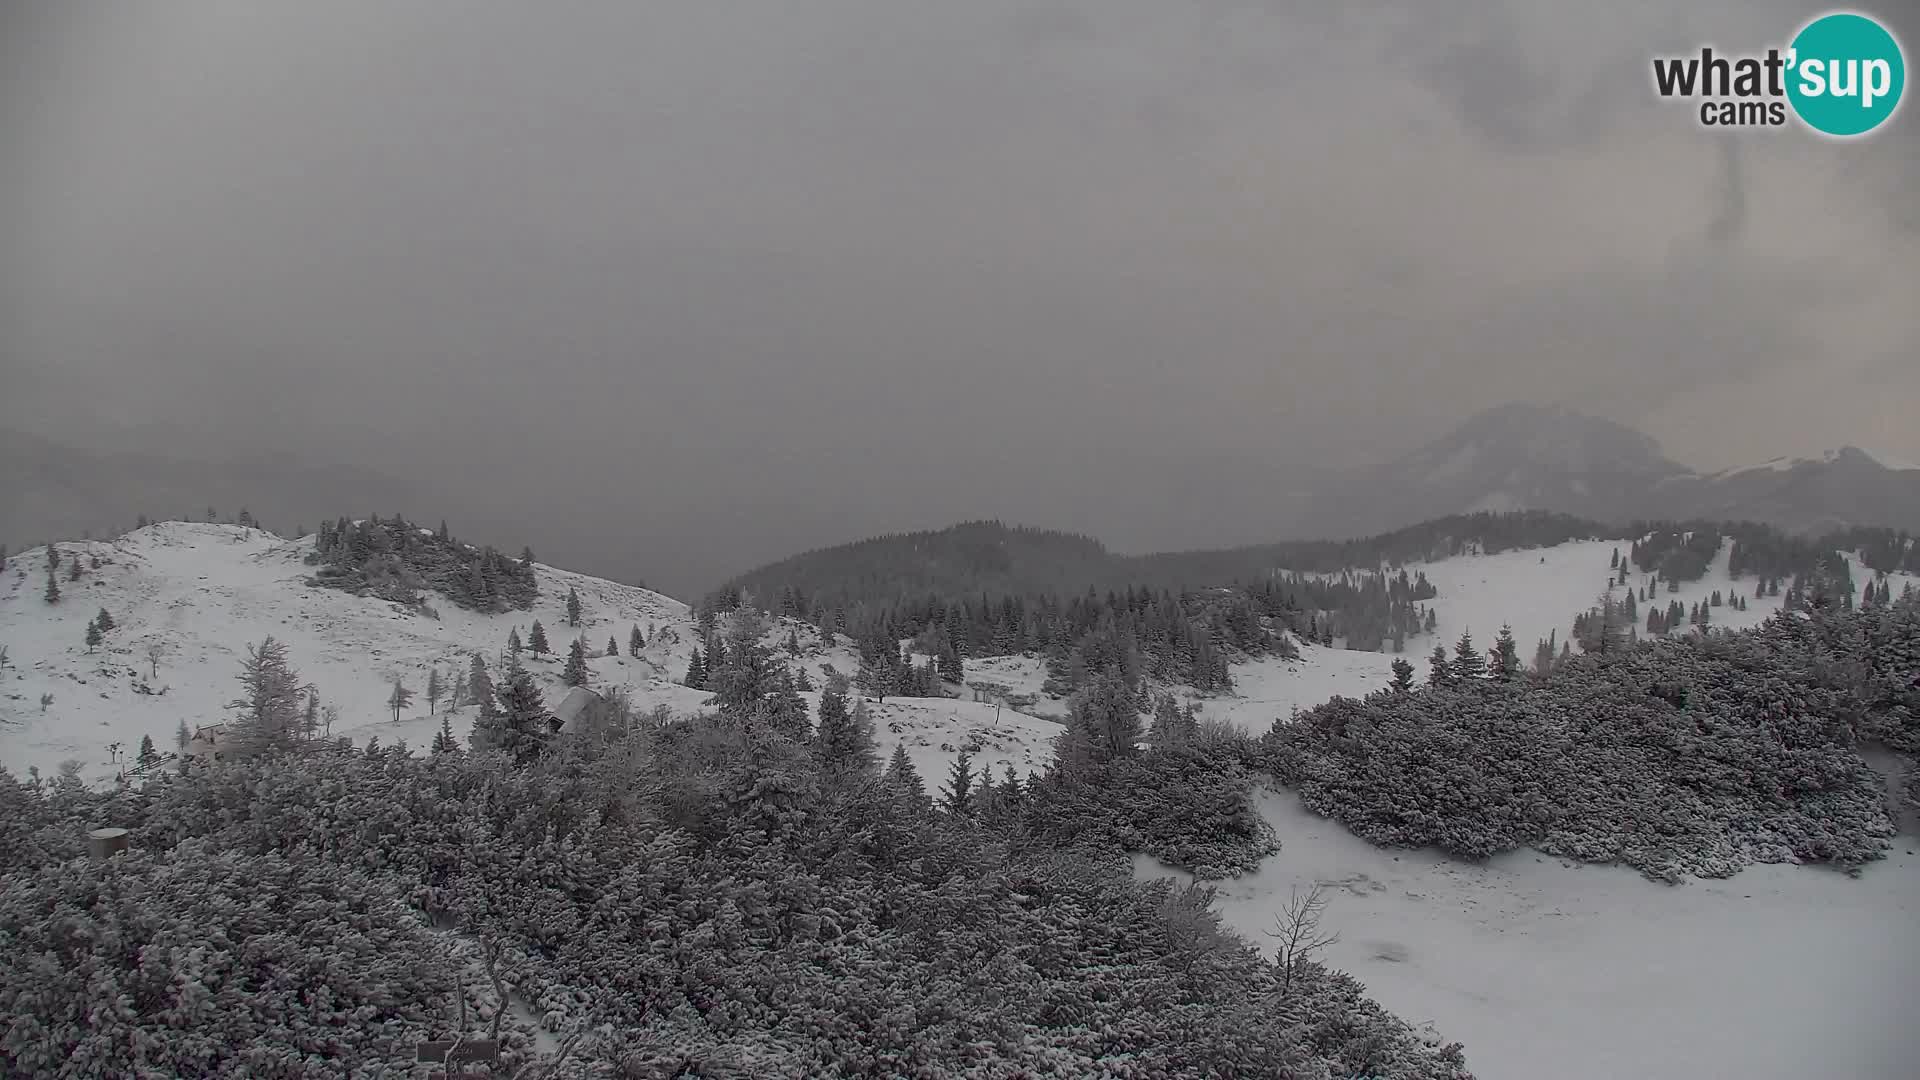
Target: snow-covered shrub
x,y
1602,761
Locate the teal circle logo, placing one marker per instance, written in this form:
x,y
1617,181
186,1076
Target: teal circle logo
x,y
1846,74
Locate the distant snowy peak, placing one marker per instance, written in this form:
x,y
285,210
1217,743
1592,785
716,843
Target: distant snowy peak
x,y
1845,456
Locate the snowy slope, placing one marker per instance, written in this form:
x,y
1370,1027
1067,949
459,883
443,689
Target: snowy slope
x,y
1544,968
1535,591
203,593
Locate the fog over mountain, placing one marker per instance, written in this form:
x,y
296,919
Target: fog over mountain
x,y
676,288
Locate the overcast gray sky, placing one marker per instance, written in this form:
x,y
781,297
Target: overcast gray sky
x,y
689,285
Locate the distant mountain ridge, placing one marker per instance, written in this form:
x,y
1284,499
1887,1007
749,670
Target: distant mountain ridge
x,y
1539,457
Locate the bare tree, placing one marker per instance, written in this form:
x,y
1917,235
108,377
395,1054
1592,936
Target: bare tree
x,y
155,650
1297,929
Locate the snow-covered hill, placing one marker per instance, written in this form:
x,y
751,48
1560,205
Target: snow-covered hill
x,y
1536,591
201,594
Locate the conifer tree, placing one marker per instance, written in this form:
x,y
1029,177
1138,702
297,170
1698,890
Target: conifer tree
x,y
52,593
1010,789
269,704
521,727
149,757
802,681
1505,656
1439,668
513,642
902,776
182,736
93,636
73,568
573,607
745,674
1468,663
613,648
537,639
957,797
480,687
1402,676
575,673
788,710
844,741
635,642
104,620
1168,729
836,720
443,740
435,689
399,699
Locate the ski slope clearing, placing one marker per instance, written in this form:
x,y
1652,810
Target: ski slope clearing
x,y
1550,969
1270,688
198,595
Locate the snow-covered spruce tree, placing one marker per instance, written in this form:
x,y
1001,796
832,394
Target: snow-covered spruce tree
x,y
1468,662
269,703
1102,726
1504,657
521,726
575,673
746,673
537,639
573,607
1402,676
957,795
787,710
844,743
902,776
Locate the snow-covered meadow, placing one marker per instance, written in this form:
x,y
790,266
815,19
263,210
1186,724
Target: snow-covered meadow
x,y
1546,968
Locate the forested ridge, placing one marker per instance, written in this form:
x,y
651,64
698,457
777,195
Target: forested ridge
x,y
984,589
